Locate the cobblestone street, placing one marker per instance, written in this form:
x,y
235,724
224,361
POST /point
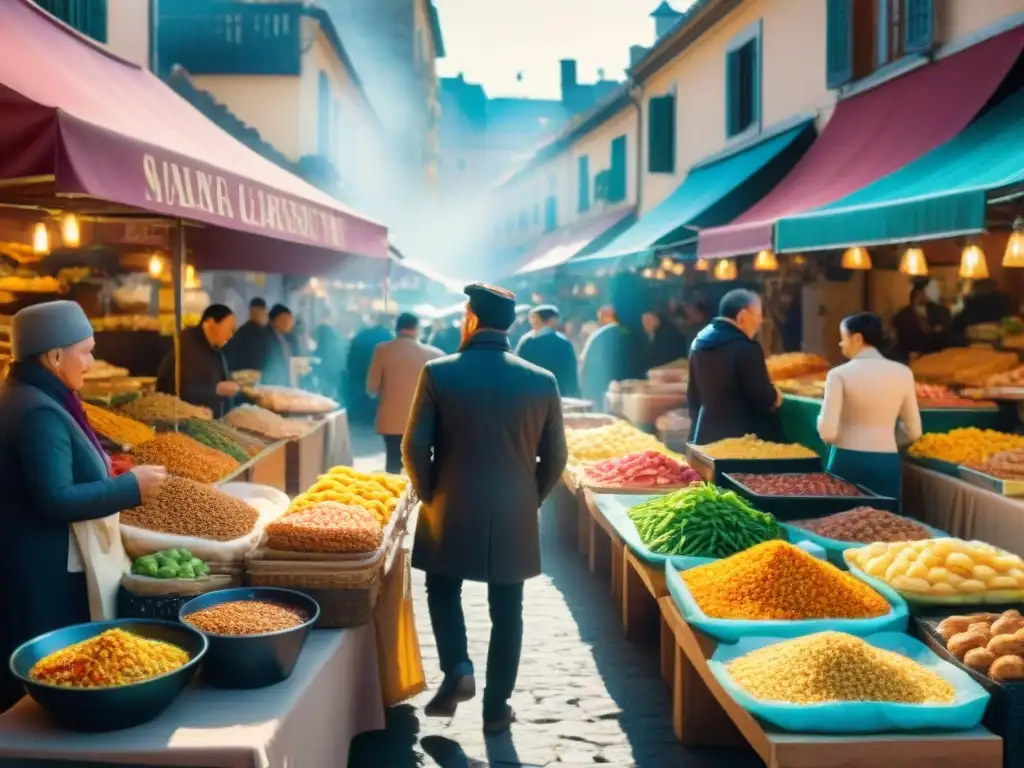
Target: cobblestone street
x,y
585,696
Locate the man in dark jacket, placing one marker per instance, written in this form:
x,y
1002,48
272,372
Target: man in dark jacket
x,y
362,409
665,342
247,349
484,446
277,364
204,372
605,357
729,392
924,325
551,350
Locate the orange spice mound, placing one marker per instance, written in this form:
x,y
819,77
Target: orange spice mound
x,y
776,580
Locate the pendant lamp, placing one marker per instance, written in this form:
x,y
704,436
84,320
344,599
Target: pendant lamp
x,y
1014,256
40,239
156,266
725,269
666,264
701,265
678,268
913,262
70,234
973,265
856,258
766,261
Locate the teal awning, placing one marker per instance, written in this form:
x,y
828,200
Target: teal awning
x,y
941,194
714,192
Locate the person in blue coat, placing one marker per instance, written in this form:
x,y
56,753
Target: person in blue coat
x,y
545,347
605,358
53,474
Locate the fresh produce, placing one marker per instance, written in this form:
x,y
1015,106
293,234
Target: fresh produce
x,y
157,406
246,617
967,445
752,447
112,658
962,365
120,463
116,428
251,444
794,365
798,484
207,433
170,564
185,457
642,470
989,643
702,521
590,446
835,666
378,493
866,525
776,580
290,400
941,567
1006,465
266,423
326,527
188,508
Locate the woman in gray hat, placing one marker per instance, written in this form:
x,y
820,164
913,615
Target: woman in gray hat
x,y
58,500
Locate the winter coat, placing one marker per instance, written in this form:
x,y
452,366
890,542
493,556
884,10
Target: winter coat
x,y
605,358
553,352
394,373
202,369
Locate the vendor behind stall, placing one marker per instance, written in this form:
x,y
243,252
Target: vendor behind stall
x,y
277,365
247,349
863,400
924,325
58,501
204,371
984,304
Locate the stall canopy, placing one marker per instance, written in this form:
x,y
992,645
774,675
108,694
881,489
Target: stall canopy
x,y
713,191
83,127
555,249
873,134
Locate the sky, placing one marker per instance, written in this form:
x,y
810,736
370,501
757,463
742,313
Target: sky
x,y
490,41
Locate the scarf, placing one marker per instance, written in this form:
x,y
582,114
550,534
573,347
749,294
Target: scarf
x,y
33,374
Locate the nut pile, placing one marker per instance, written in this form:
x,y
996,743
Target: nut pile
x,y
188,508
990,643
798,484
776,580
266,423
246,617
866,525
835,666
157,406
185,457
119,429
326,527
115,657
753,447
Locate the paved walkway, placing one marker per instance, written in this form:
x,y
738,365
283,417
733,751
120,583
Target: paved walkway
x,y
585,696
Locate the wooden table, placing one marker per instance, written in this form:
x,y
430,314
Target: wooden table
x,y
606,550
704,715
642,587
270,467
565,504
304,459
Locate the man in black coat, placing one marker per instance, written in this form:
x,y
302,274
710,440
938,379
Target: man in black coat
x,y
277,364
484,446
551,350
730,393
247,350
204,372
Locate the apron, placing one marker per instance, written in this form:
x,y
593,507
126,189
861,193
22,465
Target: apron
x,y
878,472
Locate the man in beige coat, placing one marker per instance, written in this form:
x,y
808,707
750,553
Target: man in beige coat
x,y
393,376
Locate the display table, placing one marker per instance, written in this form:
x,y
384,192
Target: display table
x,y
565,502
337,442
606,547
642,587
309,720
963,510
704,715
271,467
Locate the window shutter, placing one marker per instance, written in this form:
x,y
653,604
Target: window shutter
x,y
839,42
732,91
918,26
661,139
617,180
87,16
583,183
601,185
551,213
758,59
323,129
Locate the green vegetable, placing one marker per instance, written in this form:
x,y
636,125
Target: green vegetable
x,y
186,572
185,555
202,569
167,572
702,521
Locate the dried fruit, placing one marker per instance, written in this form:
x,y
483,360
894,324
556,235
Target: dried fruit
x,y
866,525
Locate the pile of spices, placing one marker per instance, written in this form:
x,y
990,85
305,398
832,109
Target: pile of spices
x,y
185,457
113,658
157,406
246,617
835,666
776,580
117,429
188,508
798,484
251,444
206,433
866,525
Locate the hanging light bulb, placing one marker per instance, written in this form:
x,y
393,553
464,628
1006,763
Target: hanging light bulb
x,y
590,290
725,269
659,274
40,239
856,258
913,262
69,232
648,273
973,265
766,261
156,266
701,265
1014,256
191,279
666,264
678,268
799,260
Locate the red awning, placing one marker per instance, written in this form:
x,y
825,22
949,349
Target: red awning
x,y
872,134
556,248
92,124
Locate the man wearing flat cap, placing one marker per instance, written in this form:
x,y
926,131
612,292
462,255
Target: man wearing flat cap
x,y
484,446
551,350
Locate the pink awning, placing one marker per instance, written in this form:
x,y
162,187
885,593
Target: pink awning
x,y
99,126
872,134
556,248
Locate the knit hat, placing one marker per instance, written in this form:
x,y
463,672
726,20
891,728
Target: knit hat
x,y
495,307
40,328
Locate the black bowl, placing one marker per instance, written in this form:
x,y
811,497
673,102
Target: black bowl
x,y
116,707
253,661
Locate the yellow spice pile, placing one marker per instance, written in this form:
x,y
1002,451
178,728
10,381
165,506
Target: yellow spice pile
x,y
115,657
776,580
835,666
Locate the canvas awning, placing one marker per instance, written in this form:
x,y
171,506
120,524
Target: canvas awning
x,y
556,248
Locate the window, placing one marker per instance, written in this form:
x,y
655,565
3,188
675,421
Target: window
x,y
536,214
87,16
661,134
551,213
583,174
617,173
323,116
865,35
743,83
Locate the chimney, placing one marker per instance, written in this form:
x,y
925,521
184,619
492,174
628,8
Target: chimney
x,y
665,18
636,53
569,83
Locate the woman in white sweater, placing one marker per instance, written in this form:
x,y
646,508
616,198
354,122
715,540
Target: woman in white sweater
x,y
864,398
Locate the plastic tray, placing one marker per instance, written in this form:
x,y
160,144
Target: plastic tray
x,y
963,713
732,630
936,465
786,508
718,467
834,548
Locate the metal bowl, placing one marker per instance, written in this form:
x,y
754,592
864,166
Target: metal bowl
x,y
253,661
114,707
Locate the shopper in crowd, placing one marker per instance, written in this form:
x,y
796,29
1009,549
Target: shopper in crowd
x,y
551,350
924,325
730,393
277,365
247,350
485,445
394,372
58,501
665,342
330,365
522,326
446,336
985,303
204,371
362,407
865,398
605,357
